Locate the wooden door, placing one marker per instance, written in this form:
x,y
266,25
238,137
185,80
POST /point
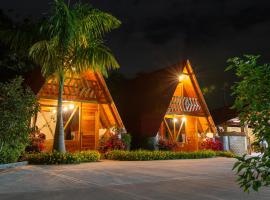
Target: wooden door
x,y
89,128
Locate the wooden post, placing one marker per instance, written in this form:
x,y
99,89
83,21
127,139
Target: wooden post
x,y
174,131
162,130
171,135
196,134
97,127
80,121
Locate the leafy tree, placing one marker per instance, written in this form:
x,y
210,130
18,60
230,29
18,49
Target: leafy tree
x,y
70,42
252,101
17,106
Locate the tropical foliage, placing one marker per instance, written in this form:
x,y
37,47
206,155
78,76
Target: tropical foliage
x,y
252,97
68,41
17,106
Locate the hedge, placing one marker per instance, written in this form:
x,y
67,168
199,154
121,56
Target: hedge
x,y
141,155
62,158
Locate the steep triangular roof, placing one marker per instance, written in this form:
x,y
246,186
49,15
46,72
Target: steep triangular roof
x,y
145,99
89,86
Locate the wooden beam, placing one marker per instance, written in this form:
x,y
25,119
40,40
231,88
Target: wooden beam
x,y
107,120
47,122
180,128
70,118
168,128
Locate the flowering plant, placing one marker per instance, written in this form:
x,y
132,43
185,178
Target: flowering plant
x,y
37,140
211,144
110,142
167,145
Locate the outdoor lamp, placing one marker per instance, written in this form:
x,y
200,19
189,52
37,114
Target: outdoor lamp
x,y
71,106
182,77
184,119
209,135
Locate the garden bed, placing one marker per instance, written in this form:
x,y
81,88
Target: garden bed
x,y
62,158
143,155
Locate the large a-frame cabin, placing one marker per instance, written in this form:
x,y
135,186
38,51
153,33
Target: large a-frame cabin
x,y
167,104
88,109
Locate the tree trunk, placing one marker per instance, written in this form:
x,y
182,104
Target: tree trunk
x,y
59,135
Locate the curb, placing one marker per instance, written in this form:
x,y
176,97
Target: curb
x,y
12,165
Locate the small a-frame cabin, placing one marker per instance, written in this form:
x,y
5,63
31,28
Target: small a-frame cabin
x,y
167,104
88,109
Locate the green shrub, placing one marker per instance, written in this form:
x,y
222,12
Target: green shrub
x,y
141,155
17,106
88,156
126,138
62,158
227,154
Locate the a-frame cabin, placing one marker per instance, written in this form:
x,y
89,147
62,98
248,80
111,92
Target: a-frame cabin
x,y
88,109
167,104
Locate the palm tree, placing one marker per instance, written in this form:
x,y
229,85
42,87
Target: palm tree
x,y
72,43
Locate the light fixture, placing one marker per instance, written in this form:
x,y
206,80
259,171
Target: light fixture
x,y
184,119
182,77
175,120
65,109
71,106
53,111
209,135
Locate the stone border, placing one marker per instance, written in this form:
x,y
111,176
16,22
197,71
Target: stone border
x,y
12,165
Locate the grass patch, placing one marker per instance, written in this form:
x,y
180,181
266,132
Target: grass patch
x,y
62,158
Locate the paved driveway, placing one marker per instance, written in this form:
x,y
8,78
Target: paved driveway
x,y
176,179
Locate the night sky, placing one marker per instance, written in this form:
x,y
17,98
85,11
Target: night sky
x,y
157,33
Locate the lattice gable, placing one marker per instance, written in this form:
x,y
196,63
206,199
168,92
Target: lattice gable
x,y
75,88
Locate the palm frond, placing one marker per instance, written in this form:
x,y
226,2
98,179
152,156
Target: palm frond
x,y
45,54
93,21
61,24
96,57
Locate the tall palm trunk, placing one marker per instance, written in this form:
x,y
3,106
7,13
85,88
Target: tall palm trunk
x,y
59,136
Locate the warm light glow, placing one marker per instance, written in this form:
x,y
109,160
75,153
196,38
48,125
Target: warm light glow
x,y
71,106
65,109
182,77
184,119
53,111
209,135
175,120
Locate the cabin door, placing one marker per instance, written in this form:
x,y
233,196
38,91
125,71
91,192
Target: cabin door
x,y
89,126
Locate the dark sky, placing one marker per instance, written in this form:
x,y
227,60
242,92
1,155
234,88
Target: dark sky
x,y
156,33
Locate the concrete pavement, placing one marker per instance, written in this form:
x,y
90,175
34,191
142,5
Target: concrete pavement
x,y
160,180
